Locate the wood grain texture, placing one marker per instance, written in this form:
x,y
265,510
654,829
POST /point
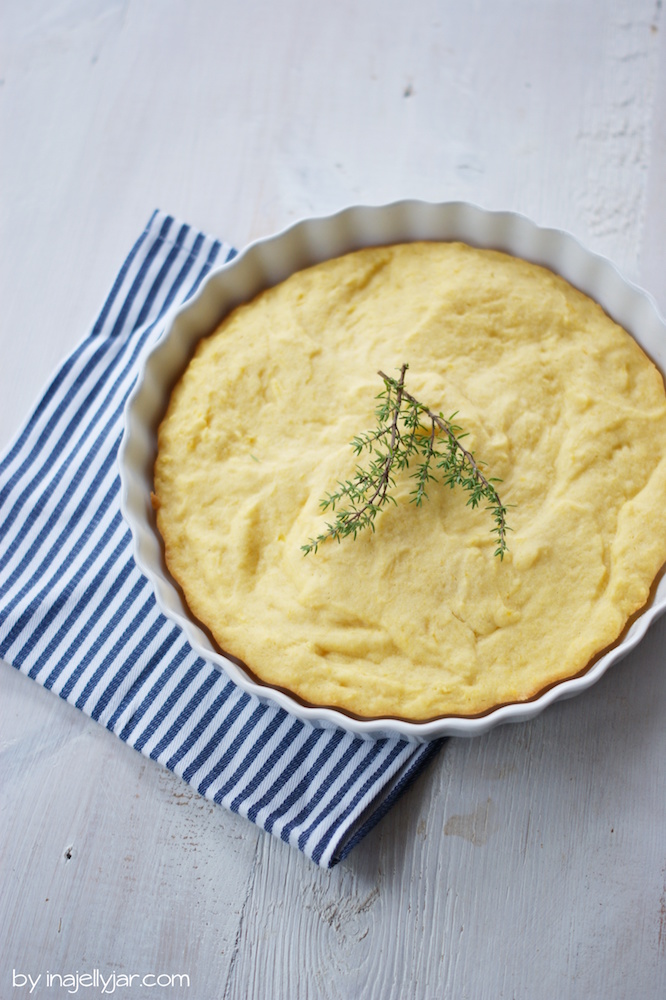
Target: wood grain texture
x,y
526,864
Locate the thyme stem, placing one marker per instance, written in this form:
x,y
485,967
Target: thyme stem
x,y
368,492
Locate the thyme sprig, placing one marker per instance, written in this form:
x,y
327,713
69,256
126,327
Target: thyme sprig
x,y
407,428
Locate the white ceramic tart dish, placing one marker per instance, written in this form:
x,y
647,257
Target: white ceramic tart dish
x,y
268,262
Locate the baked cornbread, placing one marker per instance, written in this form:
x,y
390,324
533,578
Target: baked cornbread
x,y
418,619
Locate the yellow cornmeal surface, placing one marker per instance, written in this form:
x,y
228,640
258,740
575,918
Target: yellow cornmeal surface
x,y
418,619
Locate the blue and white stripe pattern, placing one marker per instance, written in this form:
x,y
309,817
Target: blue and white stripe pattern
x,y
78,617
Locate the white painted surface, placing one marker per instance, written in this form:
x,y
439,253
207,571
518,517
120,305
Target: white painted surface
x,y
527,864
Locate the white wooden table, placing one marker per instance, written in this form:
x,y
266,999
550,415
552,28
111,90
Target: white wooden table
x,y
530,863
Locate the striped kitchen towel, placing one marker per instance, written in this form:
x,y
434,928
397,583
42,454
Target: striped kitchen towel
x,y
78,617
